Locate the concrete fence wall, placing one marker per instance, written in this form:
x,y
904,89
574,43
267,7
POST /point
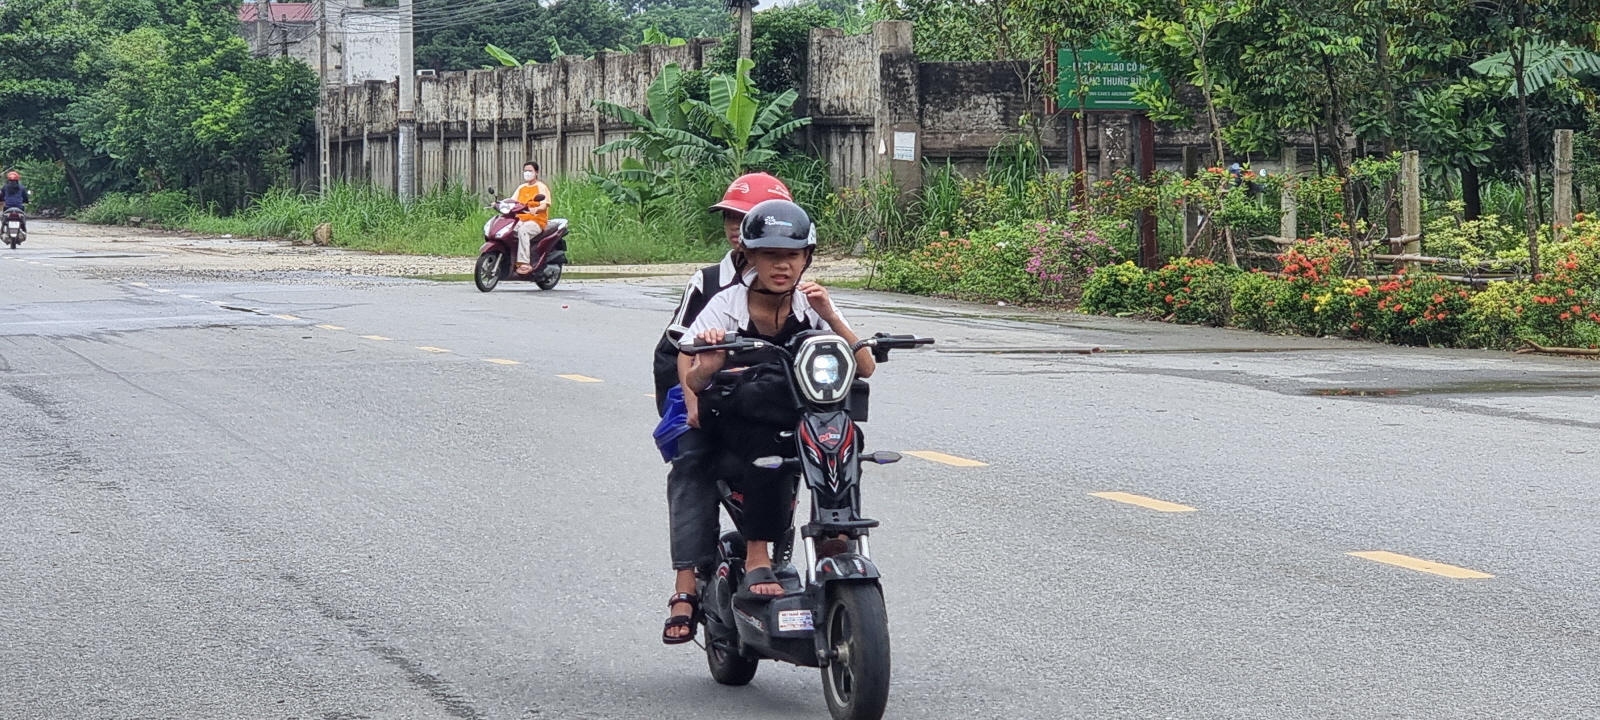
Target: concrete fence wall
x,y
477,128
877,111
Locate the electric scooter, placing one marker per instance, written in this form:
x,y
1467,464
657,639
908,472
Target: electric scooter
x,y
499,252
831,615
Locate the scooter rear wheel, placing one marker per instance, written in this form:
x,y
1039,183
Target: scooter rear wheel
x,y
729,667
548,277
856,680
486,275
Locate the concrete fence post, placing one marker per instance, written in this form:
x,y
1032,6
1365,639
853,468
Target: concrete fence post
x,y
1562,195
898,124
1289,225
1411,203
1191,213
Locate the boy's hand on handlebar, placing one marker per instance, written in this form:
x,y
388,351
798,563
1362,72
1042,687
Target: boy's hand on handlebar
x,y
702,365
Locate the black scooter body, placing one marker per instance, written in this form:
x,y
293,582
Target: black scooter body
x,y
826,454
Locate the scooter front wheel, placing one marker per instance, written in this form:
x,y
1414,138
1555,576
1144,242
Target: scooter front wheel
x,y
856,680
486,275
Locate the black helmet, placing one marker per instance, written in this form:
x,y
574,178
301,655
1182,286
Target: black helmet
x,y
777,224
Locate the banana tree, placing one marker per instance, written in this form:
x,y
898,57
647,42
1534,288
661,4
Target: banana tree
x,y
733,129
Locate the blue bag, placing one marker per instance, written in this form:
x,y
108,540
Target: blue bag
x,y
674,423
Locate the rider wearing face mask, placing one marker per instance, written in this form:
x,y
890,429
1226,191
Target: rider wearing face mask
x,y
14,195
774,305
532,222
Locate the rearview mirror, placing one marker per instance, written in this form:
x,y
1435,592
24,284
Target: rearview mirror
x,y
539,197
492,192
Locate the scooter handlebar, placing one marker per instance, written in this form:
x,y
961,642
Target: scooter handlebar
x,y
730,342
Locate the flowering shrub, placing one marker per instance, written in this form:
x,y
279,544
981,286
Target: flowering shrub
x,y
1192,290
1063,257
1563,304
1417,310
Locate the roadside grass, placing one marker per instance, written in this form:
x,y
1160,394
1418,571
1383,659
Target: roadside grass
x,y
442,222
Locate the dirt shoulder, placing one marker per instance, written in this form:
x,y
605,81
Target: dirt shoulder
x,y
189,254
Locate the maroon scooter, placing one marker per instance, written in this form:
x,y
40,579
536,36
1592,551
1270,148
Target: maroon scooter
x,y
498,256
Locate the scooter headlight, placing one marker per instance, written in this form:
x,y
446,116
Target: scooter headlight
x,y
825,367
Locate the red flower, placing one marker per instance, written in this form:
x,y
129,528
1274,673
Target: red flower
x,y
1566,316
1169,298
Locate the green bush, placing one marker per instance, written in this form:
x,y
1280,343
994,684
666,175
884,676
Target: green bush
x,y
1118,290
1253,299
989,265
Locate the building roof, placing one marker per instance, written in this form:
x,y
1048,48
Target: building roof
x,y
281,12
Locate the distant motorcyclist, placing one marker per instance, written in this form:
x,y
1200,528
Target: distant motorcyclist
x,y
15,195
532,222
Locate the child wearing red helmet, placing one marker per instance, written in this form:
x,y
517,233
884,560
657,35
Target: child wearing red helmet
x,y
691,494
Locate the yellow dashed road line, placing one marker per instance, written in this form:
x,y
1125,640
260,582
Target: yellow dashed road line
x,y
286,317
501,361
432,349
1420,565
374,337
940,457
330,327
1144,502
580,378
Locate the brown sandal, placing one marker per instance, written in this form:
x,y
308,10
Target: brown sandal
x,y
682,621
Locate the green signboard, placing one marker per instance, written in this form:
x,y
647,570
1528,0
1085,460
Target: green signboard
x,y
1110,80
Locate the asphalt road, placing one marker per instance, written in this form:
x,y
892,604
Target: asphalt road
x,y
307,495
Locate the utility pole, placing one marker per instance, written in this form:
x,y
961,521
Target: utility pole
x,y
324,171
406,154
746,10
263,28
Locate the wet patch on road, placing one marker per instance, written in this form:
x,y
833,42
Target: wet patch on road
x,y
1569,383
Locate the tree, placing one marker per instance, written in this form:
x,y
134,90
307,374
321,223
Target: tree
x,y
188,107
732,129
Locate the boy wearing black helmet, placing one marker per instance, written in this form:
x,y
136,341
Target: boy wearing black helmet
x,y
771,304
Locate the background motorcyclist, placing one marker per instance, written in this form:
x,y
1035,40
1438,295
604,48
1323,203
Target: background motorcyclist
x,y
15,195
692,504
532,222
775,305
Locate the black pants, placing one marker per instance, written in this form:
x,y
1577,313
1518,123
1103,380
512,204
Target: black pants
x,y
767,504
767,496
692,503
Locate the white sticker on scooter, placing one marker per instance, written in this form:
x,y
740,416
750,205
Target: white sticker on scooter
x,y
794,620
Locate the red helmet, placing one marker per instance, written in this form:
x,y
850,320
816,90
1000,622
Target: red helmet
x,y
13,175
748,190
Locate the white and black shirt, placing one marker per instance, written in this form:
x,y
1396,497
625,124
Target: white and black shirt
x,y
695,295
730,311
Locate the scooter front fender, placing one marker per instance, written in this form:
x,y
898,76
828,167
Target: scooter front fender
x,y
845,567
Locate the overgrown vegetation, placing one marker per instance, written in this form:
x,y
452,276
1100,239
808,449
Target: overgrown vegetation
x,y
442,222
